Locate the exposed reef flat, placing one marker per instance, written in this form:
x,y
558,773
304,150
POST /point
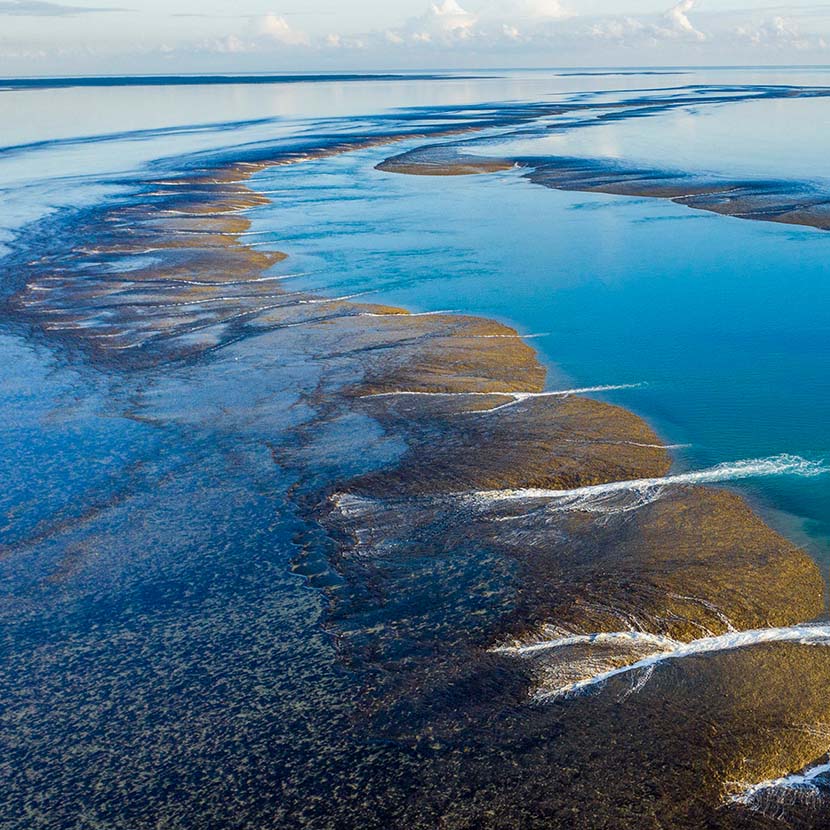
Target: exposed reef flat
x,y
443,161
394,437
787,202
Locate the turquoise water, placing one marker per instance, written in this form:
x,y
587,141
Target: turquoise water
x,y
726,322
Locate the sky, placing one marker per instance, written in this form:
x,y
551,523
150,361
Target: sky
x,y
42,37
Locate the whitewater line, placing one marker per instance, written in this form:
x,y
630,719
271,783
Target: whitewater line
x,y
234,210
511,336
322,300
796,781
225,298
517,397
521,397
208,283
605,498
753,468
655,446
601,638
818,635
180,232
405,315
635,444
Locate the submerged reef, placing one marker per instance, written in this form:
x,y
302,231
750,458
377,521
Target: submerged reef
x,y
486,558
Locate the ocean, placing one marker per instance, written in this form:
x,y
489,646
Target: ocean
x,y
190,642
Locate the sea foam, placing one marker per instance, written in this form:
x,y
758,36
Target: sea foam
x,y
797,786
515,397
663,650
620,496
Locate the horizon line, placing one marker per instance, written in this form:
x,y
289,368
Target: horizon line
x,y
386,74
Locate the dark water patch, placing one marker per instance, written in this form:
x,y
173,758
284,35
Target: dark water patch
x,y
636,73
101,81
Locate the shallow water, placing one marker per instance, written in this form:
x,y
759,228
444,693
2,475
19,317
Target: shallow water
x,y
751,138
163,602
723,321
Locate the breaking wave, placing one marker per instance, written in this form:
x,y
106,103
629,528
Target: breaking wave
x,y
662,649
515,397
809,786
621,496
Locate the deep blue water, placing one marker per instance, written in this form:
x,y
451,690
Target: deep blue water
x,y
122,81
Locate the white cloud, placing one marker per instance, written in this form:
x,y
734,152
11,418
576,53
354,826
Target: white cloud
x,y
23,54
263,34
544,9
442,22
678,18
780,33
277,28
232,45
636,31
448,16
619,29
522,30
336,41
447,22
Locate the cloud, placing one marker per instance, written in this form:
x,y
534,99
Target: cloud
x,y
42,8
678,18
523,32
619,29
544,9
277,28
780,32
23,54
636,31
263,34
445,22
542,24
526,30
231,45
448,16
